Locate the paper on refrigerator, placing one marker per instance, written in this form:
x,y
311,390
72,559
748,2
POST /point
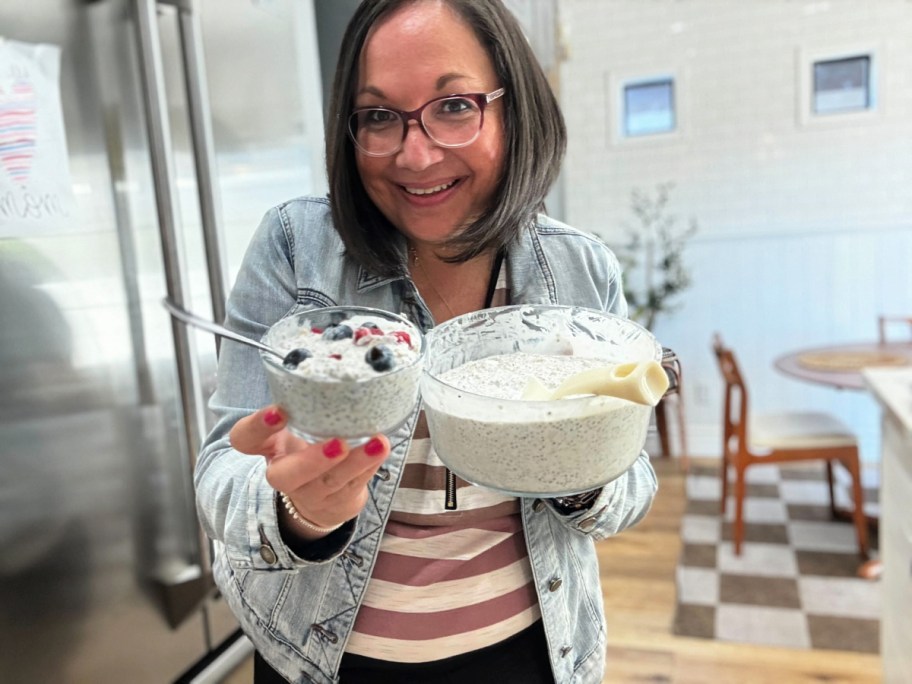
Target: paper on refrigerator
x,y
36,195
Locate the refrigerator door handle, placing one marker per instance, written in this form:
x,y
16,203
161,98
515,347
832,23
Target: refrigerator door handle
x,y
203,151
160,150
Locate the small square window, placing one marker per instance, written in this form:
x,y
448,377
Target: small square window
x,y
842,85
649,107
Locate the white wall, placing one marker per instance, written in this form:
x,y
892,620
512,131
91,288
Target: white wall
x,y
805,226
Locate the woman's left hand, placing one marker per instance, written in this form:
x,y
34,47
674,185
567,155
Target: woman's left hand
x,y
327,483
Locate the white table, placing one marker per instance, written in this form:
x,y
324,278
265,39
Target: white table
x,y
893,390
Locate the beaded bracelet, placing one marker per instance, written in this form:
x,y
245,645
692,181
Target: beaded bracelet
x,y
304,522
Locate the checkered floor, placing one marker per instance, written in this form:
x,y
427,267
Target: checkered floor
x,y
795,583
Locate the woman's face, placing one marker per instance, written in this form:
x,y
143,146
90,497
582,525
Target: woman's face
x,y
421,52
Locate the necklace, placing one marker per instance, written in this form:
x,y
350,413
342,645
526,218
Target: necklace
x,y
430,282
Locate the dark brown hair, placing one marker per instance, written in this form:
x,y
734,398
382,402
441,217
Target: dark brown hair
x,y
535,142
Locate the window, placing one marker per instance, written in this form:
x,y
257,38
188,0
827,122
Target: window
x,y
649,107
842,85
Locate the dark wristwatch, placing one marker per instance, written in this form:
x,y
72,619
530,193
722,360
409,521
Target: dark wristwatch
x,y
578,502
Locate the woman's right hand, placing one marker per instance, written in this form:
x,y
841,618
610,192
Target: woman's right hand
x,y
326,482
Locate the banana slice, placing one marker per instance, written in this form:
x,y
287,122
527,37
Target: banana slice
x,y
535,390
642,382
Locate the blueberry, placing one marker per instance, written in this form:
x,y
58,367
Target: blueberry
x,y
338,332
294,357
380,358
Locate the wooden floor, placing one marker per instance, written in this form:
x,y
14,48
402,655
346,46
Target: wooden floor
x,y
638,582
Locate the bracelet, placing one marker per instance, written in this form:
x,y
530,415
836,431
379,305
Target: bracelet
x,y
301,520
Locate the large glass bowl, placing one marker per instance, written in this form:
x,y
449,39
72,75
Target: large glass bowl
x,y
534,448
353,405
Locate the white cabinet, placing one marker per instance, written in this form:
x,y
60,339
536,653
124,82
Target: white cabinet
x,y
893,390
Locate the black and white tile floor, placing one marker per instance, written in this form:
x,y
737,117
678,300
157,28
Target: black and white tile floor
x,y
795,582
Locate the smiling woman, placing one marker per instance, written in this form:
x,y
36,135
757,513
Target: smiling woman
x,y
373,562
531,147
428,191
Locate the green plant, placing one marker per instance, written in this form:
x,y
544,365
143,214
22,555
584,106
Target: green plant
x,y
654,270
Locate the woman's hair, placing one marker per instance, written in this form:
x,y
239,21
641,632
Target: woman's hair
x,y
536,139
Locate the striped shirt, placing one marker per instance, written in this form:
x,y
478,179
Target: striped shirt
x,y
446,582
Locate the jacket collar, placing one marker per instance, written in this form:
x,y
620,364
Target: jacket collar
x,y
368,281
531,277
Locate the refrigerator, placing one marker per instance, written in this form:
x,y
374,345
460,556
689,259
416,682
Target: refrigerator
x,y
180,123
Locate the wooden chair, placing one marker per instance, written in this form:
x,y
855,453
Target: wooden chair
x,y
776,438
884,322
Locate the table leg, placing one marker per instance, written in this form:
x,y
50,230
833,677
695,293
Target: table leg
x,y
662,429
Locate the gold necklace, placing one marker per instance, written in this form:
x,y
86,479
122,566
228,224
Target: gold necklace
x,y
430,282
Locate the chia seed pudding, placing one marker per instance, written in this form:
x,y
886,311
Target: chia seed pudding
x,y
349,372
486,434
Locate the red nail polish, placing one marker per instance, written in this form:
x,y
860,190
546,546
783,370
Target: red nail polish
x,y
332,448
272,417
374,447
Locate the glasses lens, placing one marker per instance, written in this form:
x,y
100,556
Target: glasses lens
x,y
376,131
452,121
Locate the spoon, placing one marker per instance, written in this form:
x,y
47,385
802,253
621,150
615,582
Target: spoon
x,y
192,319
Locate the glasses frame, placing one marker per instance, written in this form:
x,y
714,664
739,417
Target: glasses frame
x,y
481,100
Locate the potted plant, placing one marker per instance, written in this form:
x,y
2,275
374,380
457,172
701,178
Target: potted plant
x,y
652,258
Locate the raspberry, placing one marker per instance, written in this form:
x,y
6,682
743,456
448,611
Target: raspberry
x,y
402,336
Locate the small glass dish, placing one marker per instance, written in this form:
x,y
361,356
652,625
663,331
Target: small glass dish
x,y
533,448
352,383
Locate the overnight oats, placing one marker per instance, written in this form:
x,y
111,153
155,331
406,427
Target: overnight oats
x,y
478,371
348,372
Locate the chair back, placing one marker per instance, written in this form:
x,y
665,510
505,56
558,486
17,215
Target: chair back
x,y
883,323
735,408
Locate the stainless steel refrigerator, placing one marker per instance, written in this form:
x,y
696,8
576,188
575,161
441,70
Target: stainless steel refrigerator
x,y
184,121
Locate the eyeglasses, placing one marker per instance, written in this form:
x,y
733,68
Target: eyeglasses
x,y
450,121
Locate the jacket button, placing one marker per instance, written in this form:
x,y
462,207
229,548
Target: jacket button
x,y
538,505
268,555
555,584
324,633
353,557
587,524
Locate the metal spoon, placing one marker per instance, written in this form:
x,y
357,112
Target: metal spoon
x,y
192,319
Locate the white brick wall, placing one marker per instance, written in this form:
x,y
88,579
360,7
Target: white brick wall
x,y
805,225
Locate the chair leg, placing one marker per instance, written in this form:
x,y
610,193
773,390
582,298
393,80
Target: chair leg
x,y
682,429
853,465
662,429
832,489
740,491
724,477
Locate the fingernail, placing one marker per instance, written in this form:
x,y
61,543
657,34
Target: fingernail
x,y
332,448
272,417
374,447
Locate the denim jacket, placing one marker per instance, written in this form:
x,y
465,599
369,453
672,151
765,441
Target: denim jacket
x,y
299,612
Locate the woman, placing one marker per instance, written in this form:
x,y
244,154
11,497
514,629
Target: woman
x,y
346,564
